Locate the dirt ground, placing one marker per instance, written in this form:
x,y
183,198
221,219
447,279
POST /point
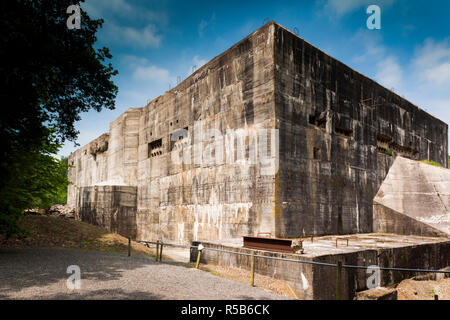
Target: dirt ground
x,y
278,286
57,232
424,289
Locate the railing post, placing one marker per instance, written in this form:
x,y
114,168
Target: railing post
x,y
252,267
338,281
160,251
157,249
199,249
129,246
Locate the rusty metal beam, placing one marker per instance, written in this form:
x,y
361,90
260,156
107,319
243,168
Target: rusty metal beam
x,y
270,244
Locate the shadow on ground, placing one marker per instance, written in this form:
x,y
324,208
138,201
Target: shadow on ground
x,y
41,267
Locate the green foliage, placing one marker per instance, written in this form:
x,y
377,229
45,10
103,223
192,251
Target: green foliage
x,y
432,163
386,151
39,180
48,76
54,182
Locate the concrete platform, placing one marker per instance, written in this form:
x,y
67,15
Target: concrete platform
x,y
319,282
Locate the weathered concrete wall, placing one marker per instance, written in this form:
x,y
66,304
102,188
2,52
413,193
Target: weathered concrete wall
x,y
112,207
110,159
88,167
337,132
123,151
414,199
190,201
386,220
234,93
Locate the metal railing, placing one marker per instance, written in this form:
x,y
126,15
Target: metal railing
x,y
160,243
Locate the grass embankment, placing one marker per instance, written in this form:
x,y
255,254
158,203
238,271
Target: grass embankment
x,y
432,163
55,232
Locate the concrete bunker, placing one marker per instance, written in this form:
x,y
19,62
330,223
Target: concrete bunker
x,y
338,135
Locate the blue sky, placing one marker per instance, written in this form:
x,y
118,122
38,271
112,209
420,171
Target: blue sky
x,y
155,43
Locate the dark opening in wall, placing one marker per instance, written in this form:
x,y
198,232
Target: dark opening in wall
x,y
383,138
316,153
344,131
155,148
385,145
385,151
322,123
318,119
403,151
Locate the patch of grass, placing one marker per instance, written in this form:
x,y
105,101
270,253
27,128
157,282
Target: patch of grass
x,y
48,232
432,163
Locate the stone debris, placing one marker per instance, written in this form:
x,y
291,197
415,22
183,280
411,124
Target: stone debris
x,y
35,212
297,246
60,210
379,293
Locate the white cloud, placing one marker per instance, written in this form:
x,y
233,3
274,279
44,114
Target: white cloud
x,y
99,7
373,49
342,7
389,73
441,108
152,73
107,8
205,23
430,78
374,58
439,74
142,70
127,24
196,64
199,62
432,63
142,38
202,27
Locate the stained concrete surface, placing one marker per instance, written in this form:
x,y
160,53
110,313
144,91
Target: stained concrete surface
x,y
414,199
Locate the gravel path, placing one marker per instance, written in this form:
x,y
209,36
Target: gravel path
x,y
41,274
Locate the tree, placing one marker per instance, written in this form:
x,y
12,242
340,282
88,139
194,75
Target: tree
x,y
51,183
49,74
